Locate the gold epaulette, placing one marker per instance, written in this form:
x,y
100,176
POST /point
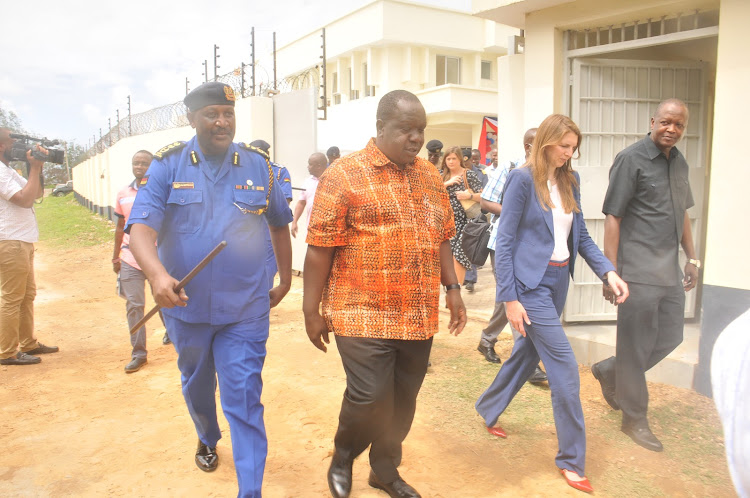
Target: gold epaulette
x,y
256,150
169,149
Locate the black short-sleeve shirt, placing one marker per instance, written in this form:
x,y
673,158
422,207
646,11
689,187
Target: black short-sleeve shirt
x,y
650,193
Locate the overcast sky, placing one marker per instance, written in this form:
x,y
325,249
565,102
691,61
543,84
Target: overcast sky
x,y
68,66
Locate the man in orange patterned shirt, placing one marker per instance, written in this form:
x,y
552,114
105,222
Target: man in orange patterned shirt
x,y
378,249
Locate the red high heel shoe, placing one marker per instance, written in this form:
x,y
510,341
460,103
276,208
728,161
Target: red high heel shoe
x,y
497,431
583,485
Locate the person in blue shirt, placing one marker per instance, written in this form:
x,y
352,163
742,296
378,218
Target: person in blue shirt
x,y
284,180
194,195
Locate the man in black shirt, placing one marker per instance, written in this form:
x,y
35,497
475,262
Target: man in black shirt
x,y
646,220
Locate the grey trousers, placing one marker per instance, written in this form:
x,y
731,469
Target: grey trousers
x,y
499,319
133,289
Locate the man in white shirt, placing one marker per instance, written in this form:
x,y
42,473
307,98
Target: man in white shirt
x,y
18,232
316,165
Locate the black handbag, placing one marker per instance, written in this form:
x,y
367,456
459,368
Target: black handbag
x,y
476,236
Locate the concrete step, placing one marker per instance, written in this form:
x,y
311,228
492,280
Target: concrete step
x,y
592,342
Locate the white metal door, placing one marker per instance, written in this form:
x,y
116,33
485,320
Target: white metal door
x,y
612,102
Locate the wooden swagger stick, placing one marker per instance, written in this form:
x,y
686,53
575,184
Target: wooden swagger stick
x,y
182,283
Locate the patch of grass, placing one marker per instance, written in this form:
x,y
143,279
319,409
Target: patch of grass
x,y
689,437
456,382
65,223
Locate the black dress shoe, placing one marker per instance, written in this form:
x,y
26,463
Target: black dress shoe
x,y
166,340
608,385
469,286
396,489
340,477
643,436
489,353
42,349
135,365
206,458
538,377
21,359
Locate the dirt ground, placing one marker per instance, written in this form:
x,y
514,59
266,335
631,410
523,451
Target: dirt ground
x,y
77,425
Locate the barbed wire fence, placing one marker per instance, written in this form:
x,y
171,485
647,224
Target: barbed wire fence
x,y
175,115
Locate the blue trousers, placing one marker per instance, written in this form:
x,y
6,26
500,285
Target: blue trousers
x,y
236,353
545,338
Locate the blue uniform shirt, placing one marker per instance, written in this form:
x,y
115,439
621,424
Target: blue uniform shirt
x,y
193,207
285,182
283,179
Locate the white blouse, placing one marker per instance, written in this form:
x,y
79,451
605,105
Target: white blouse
x,y
562,222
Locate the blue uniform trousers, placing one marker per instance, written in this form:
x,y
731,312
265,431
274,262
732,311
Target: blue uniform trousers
x,y
235,352
546,339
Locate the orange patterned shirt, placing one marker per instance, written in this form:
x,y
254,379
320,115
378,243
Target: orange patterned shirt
x,y
387,225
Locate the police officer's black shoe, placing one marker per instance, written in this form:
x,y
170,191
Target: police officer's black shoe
x,y
469,286
489,353
206,458
166,340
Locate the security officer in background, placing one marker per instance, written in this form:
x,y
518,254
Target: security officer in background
x,y
434,151
194,195
284,180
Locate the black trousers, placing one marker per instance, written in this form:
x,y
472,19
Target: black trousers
x,y
383,378
649,327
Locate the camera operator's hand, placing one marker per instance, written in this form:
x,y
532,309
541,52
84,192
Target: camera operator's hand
x,y
35,163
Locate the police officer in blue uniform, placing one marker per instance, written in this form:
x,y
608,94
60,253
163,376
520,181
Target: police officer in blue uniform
x,y
284,180
194,195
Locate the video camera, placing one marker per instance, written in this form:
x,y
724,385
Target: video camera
x,y
23,144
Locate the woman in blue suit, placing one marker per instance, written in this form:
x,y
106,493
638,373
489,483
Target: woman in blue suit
x,y
541,230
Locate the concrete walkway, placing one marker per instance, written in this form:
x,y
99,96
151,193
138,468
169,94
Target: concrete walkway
x,y
594,341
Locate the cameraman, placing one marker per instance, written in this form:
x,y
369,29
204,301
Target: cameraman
x,y
18,232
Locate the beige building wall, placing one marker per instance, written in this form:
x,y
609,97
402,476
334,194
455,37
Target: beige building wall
x,y
728,237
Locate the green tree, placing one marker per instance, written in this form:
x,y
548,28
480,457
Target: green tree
x,y
8,119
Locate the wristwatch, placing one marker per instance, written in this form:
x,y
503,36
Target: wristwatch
x,y
695,262
452,286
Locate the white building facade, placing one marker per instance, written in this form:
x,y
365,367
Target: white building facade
x,y
447,58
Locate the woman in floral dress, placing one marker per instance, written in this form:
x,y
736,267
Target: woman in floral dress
x,y
454,171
